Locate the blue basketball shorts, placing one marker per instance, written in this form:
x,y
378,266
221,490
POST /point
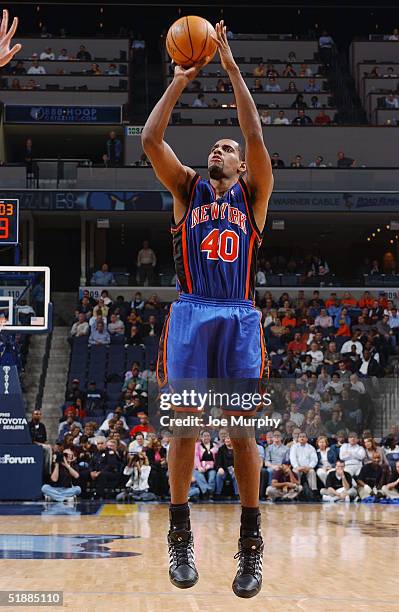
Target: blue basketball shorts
x,y
205,339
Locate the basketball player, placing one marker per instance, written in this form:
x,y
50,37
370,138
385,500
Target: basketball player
x,y
213,330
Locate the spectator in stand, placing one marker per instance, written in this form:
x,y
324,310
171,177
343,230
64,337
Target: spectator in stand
x,y
63,476
144,426
271,72
369,366
94,70
38,434
224,466
326,459
312,86
66,426
372,477
112,70
318,163
305,71
344,162
19,69
391,490
63,55
275,455
297,162
214,103
83,54
47,54
299,102
277,162
99,334
336,424
292,88
391,449
221,86
199,101
103,277
117,416
322,118
302,119
36,68
116,327
204,464
265,117
16,84
259,70
285,484
352,454
339,484
391,101
272,86
146,262
114,149
135,338
95,399
289,71
324,321
80,327
157,457
106,468
281,119
303,459
257,86
74,392
326,45
395,35
314,102
390,73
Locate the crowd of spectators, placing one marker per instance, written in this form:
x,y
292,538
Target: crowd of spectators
x,y
326,362
342,161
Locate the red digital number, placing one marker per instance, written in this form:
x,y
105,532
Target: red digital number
x,y
223,246
4,228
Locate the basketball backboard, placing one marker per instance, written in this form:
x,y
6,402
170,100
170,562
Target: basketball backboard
x,y
25,299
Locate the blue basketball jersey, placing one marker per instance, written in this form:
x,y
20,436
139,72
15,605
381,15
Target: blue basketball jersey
x,y
216,244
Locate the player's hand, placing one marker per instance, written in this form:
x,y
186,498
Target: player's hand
x,y
226,56
190,73
6,54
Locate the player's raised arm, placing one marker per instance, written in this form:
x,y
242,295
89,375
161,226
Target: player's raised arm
x,y
259,169
171,172
6,54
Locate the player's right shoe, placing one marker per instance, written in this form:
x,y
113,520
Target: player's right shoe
x,y
182,571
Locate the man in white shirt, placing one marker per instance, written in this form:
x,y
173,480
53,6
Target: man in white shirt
x,y
281,119
391,101
303,458
335,384
80,327
47,54
347,346
116,326
353,454
316,354
393,322
318,163
356,384
36,68
295,416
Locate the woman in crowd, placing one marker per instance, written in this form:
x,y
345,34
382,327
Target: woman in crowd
x,y
204,464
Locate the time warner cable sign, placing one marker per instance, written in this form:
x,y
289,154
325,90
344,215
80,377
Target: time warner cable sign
x,y
99,115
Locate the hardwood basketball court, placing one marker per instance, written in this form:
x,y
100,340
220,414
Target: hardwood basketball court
x,y
317,557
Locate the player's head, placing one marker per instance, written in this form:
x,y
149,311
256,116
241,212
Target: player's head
x,y
226,159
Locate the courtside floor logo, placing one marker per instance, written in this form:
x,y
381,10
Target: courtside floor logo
x,y
31,546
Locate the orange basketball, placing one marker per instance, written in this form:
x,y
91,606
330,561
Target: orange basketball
x,y
189,40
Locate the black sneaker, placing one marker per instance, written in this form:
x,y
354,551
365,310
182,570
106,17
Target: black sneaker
x,y
182,571
248,580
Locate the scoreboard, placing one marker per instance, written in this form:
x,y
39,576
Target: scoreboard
x,y
9,221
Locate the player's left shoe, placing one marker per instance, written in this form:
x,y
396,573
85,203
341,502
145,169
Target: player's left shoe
x,y
248,580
